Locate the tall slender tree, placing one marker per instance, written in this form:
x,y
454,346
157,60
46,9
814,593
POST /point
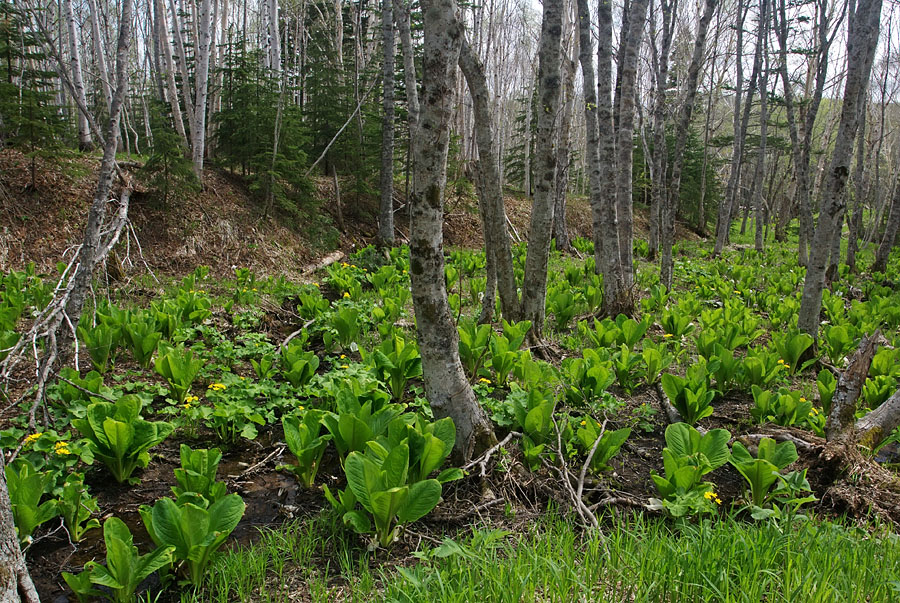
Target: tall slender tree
x,y
386,213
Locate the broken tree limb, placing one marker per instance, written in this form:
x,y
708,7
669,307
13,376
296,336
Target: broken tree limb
x,y
878,424
328,260
841,420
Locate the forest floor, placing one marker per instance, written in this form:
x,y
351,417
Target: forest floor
x,y
514,523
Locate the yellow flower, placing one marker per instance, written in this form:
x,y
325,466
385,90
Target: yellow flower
x,y
802,399
583,423
712,497
217,386
344,264
189,399
483,380
353,265
781,361
187,404
315,284
346,294
300,407
62,448
404,271
667,335
344,366
736,292
31,439
813,411
343,356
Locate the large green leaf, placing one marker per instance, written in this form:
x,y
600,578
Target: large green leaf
x,y
423,497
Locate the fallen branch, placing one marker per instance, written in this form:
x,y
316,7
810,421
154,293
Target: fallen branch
x,y
841,421
483,460
328,260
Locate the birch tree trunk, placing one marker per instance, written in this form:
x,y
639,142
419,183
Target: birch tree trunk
x,y
862,37
182,65
85,142
496,239
169,69
779,20
409,65
637,16
534,288
386,213
201,78
274,35
854,220
448,392
670,211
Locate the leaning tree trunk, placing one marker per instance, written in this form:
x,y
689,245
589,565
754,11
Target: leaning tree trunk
x,y
889,239
534,288
162,27
496,237
15,583
90,254
637,16
670,211
448,392
85,142
386,211
862,38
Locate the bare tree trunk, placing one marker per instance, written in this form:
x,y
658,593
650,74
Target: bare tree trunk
x,y
182,65
409,65
15,582
169,68
760,174
862,38
274,35
779,20
560,228
85,142
496,236
726,206
201,76
101,54
637,16
446,387
670,211
812,110
859,193
889,239
617,298
386,213
669,10
534,288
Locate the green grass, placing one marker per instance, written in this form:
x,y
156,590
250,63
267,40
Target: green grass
x,y
634,559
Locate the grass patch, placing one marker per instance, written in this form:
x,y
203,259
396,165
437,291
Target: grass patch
x,y
635,559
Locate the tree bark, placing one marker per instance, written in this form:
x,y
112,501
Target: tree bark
x,y
409,65
446,387
862,38
85,142
560,228
637,17
534,289
386,213
496,237
97,39
670,211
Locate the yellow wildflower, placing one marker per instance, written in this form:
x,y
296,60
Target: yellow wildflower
x,y
300,407
802,399
346,294
315,284
483,380
187,404
583,423
189,399
344,264
712,496
343,356
344,366
813,411
62,448
31,439
667,335
781,361
217,387
353,265
736,292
